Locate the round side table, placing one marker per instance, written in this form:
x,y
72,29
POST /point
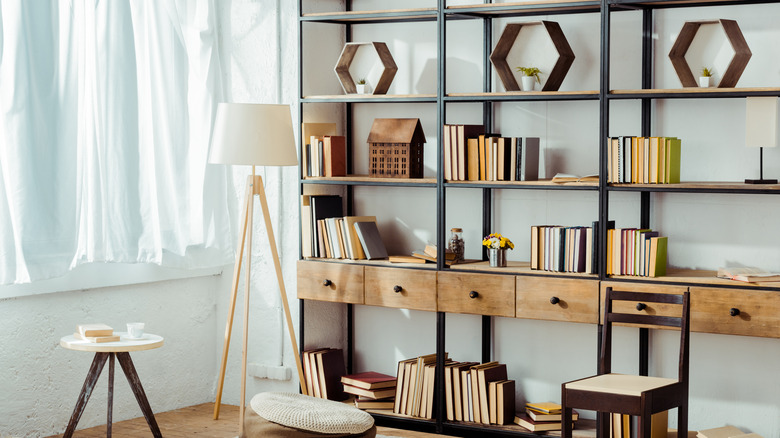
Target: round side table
x,y
106,352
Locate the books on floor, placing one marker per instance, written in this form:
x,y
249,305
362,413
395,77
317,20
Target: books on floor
x,y
367,403
725,432
478,392
323,369
370,385
414,394
543,416
96,333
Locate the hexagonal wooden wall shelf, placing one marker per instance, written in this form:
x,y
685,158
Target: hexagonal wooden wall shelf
x,y
345,60
507,40
735,68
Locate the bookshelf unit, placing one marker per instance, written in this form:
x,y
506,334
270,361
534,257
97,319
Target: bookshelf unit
x,y
527,291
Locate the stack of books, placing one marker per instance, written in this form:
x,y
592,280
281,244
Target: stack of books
x,y
478,392
373,390
638,252
470,154
95,333
323,369
644,160
414,388
545,416
325,155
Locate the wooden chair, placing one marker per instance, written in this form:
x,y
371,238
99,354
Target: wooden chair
x,y
640,396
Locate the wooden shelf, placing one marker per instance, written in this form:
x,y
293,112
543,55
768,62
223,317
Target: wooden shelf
x,y
544,184
383,263
697,277
379,16
535,7
368,181
701,186
400,98
517,268
584,428
693,93
522,95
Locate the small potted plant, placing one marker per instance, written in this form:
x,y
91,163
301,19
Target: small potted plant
x,y
530,77
362,87
497,246
705,78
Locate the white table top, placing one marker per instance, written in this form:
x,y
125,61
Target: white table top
x,y
125,343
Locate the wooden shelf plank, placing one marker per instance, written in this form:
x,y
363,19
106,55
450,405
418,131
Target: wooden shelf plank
x,y
696,92
372,97
544,183
518,8
517,268
365,179
698,277
376,16
383,263
724,186
526,95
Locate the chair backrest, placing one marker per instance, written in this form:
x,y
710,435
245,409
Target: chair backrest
x,y
649,318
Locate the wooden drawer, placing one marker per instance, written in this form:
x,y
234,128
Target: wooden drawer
x,y
495,294
659,309
336,282
401,288
758,311
558,299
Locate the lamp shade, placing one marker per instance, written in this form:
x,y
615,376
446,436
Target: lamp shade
x,y
253,134
761,122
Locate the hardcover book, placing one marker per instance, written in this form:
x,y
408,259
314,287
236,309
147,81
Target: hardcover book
x,y
368,233
369,380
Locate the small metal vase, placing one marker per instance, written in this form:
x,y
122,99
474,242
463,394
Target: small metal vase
x,y
497,257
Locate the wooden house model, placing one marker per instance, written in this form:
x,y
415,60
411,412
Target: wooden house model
x,y
396,148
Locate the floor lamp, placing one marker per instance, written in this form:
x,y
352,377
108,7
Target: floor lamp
x,y
256,135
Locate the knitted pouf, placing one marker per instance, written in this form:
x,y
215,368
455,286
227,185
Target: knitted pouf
x,y
277,414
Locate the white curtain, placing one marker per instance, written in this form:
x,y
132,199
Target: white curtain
x,y
105,119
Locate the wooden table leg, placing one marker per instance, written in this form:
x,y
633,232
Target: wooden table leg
x,y
135,384
109,417
89,384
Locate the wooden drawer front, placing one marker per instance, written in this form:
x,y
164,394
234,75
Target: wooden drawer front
x,y
558,299
334,282
401,288
495,294
758,311
659,309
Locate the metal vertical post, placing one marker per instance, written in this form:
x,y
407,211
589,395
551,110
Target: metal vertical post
x,y
644,210
440,208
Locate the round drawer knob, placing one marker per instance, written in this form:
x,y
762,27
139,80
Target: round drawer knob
x,y
733,311
326,282
641,306
397,289
555,300
473,294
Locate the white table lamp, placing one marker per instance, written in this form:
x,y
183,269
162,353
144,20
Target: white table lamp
x,y
256,135
761,130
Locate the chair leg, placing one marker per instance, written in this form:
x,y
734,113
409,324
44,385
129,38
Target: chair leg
x,y
603,423
645,421
682,420
566,419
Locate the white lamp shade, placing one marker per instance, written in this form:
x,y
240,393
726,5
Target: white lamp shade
x,y
761,122
253,134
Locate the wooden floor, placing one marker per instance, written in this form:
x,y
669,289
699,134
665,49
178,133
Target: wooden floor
x,y
197,421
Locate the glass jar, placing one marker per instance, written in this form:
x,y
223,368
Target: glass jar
x,y
456,245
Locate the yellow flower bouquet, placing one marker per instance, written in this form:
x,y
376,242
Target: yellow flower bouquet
x,y
497,241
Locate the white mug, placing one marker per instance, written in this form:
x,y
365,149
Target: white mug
x,y
135,329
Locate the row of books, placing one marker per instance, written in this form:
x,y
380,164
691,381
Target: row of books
x,y
543,417
325,155
414,389
326,233
323,369
639,252
621,425
96,333
644,160
470,154
478,392
562,249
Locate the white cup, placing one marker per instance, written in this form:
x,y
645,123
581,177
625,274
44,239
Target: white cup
x,y
135,329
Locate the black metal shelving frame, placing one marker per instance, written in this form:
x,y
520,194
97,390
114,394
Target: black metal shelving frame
x,y
604,95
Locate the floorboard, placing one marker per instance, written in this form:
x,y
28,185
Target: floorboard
x,y
196,421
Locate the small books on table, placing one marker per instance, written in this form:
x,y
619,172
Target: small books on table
x,y
96,333
536,426
748,275
91,330
540,416
545,407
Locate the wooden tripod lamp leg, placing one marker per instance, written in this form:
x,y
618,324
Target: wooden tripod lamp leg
x,y
248,194
247,287
260,191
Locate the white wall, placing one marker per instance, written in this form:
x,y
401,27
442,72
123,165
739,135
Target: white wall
x,y
733,379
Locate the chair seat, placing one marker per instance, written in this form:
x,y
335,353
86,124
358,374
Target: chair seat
x,y
623,384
